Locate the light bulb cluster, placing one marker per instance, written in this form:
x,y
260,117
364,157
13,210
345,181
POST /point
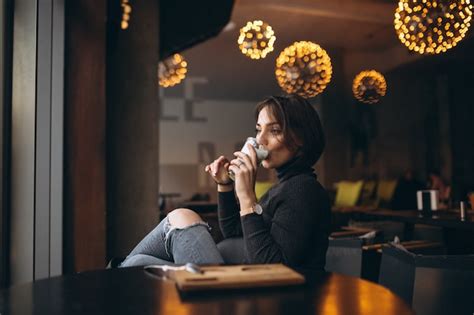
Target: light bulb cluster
x,y
303,68
172,71
432,26
126,12
256,39
369,86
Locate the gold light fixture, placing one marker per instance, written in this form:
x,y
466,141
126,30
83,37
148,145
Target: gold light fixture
x,y
172,71
369,86
127,10
432,26
256,39
303,68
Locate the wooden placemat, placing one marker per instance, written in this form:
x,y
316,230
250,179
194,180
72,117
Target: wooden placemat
x,y
237,276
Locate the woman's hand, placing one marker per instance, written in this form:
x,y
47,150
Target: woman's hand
x,y
218,171
245,169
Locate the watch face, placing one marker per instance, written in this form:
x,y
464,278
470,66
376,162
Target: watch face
x,y
257,209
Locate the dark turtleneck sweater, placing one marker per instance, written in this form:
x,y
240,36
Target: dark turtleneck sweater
x,y
294,226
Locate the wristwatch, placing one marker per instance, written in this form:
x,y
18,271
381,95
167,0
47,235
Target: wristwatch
x,y
257,209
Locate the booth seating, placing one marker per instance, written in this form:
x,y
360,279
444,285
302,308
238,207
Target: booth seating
x,y
347,193
368,197
357,252
261,187
346,256
385,191
431,284
369,194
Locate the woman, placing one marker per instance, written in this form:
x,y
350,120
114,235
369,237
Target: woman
x,y
289,225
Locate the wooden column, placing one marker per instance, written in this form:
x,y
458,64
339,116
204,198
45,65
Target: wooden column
x,y
132,128
85,117
6,32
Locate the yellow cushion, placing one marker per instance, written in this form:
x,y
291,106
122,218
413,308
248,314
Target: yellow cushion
x,y
261,188
385,190
367,195
348,193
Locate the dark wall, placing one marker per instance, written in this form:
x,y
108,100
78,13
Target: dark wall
x,y
336,114
424,122
461,80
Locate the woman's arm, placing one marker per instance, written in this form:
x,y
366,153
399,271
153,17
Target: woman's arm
x,y
228,213
227,209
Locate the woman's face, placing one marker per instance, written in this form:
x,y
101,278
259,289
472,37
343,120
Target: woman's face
x,y
270,135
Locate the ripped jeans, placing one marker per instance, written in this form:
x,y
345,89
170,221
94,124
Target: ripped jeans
x,y
167,245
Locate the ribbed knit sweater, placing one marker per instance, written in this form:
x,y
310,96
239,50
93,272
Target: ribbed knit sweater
x,y
294,226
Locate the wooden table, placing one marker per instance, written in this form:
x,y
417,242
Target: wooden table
x,y
132,291
446,219
458,234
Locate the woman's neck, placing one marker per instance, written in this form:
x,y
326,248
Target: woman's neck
x,y
294,166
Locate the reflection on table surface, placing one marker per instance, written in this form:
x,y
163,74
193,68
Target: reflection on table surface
x,y
132,291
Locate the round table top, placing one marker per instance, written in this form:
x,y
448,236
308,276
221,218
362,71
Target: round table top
x,y
132,291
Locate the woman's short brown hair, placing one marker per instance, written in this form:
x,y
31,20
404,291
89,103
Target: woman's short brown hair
x,y
300,123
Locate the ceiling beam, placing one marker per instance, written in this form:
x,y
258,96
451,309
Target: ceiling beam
x,y
360,11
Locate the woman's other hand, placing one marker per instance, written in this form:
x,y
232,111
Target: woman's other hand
x,y
218,170
245,169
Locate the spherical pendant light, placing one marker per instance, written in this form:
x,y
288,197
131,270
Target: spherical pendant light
x,y
172,70
303,68
432,26
256,39
369,86
126,12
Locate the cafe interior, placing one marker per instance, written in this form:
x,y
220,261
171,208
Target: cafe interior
x,y
111,109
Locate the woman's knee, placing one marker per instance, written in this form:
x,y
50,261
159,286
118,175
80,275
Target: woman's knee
x,y
182,217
